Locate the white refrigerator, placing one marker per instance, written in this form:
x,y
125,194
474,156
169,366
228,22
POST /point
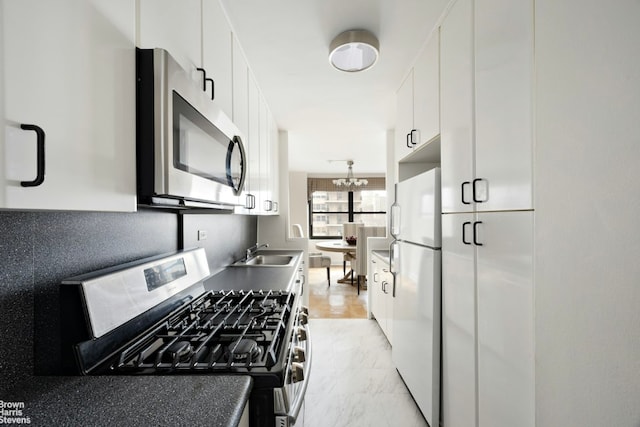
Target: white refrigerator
x,y
416,264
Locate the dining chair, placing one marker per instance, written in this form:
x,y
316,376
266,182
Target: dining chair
x,y
349,229
316,259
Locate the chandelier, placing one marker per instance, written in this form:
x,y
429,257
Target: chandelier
x,y
350,182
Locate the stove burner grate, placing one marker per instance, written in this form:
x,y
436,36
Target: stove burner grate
x,y
219,331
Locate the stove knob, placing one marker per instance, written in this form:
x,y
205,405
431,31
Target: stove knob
x,y
304,309
297,372
302,333
298,354
303,319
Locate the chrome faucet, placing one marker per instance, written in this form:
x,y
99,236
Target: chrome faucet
x,y
255,248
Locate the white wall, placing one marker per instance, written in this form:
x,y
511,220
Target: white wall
x,y
275,229
587,238
298,208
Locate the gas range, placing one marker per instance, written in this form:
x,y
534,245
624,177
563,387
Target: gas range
x,y
154,317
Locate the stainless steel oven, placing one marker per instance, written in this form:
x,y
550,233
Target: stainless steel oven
x,y
159,316
189,152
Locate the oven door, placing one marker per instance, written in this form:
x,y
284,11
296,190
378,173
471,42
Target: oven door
x,y
288,399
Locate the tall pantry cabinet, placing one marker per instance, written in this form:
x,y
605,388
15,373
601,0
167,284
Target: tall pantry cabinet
x,y
486,156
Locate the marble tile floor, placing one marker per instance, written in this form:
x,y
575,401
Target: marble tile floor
x,y
338,301
353,382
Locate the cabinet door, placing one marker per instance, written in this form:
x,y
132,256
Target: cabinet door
x,y
505,319
253,153
404,116
377,300
240,118
265,154
174,26
240,115
426,91
387,287
69,69
274,162
216,52
458,321
456,79
503,84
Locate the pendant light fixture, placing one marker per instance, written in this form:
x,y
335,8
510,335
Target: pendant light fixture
x,y
350,182
354,50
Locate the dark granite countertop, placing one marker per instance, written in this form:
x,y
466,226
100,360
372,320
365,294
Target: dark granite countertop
x,y
256,278
195,400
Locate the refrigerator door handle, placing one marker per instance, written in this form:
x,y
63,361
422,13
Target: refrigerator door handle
x,y
392,257
394,226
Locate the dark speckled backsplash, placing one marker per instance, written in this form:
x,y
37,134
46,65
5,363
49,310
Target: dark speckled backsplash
x,y
39,249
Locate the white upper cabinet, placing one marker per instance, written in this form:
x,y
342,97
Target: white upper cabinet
x,y
266,203
426,92
253,144
486,76
174,26
456,86
68,69
274,150
240,90
503,85
418,101
404,117
216,53
197,34
255,121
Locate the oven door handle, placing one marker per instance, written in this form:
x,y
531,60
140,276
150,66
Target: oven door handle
x,y
297,402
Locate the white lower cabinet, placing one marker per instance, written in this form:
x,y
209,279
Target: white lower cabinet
x,y
69,69
487,317
458,324
382,295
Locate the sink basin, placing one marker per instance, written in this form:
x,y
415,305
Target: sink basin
x,y
267,261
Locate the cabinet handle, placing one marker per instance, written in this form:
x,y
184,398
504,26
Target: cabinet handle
x,y
475,233
384,286
213,88
408,141
275,206
464,232
411,138
475,199
375,276
204,78
462,192
39,156
251,201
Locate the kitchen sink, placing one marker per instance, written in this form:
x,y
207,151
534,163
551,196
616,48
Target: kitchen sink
x,y
266,261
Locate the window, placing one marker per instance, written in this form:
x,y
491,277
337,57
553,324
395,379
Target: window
x,y
329,209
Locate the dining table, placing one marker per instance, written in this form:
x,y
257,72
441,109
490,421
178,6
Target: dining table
x,y
344,247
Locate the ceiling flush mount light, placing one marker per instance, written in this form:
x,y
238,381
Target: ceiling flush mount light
x,y
354,50
349,182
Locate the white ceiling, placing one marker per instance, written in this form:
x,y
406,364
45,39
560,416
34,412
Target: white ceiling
x,y
331,114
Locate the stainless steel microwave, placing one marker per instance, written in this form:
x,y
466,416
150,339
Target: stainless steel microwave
x,y
189,152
